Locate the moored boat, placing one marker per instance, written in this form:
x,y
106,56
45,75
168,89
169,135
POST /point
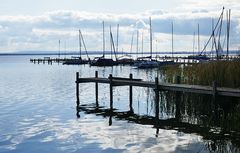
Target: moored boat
x,y
102,61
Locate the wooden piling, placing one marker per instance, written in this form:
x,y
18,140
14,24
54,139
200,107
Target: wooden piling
x,y
214,95
156,98
111,91
77,89
214,85
130,94
177,99
96,88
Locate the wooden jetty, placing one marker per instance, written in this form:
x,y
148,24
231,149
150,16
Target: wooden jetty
x,y
177,87
171,123
47,60
175,60
67,61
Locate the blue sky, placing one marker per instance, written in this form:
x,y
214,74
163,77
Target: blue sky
x,y
16,7
38,25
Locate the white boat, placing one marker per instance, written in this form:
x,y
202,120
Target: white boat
x,y
147,64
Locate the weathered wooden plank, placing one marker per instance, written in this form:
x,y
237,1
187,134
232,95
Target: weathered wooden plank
x,y
120,78
87,80
228,92
134,83
186,88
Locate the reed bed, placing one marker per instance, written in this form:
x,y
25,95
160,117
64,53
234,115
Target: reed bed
x,y
225,73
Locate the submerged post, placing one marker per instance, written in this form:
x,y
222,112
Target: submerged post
x,y
214,94
178,97
111,91
156,99
130,94
77,89
96,88
214,85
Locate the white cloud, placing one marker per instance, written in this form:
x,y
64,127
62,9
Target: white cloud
x,y
43,32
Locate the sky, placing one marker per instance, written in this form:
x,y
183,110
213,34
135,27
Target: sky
x,y
29,25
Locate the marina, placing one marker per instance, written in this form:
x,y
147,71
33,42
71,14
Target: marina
x,y
160,77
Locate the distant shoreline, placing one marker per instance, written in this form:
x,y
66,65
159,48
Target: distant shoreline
x,y
39,53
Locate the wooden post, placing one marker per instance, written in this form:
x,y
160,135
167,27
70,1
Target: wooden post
x,y
178,98
156,99
96,88
214,85
111,91
110,119
77,89
130,94
214,95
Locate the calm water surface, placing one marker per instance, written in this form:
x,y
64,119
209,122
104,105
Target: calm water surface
x,y
38,113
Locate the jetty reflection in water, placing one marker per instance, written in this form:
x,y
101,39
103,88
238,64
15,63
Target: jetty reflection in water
x,y
216,120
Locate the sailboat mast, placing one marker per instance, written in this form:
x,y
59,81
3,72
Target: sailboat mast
x,y
228,30
193,42
112,44
142,44
150,37
131,43
80,44
111,40
198,40
83,43
137,43
117,37
213,37
219,36
59,42
103,39
172,39
65,48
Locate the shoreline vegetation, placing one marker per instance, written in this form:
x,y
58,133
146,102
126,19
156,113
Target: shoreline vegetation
x,y
225,73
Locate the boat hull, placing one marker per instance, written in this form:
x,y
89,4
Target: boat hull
x,y
102,62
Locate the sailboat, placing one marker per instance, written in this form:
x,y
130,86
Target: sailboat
x,y
147,62
102,61
78,60
124,59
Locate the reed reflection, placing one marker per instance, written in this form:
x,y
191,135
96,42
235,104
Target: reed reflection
x,y
188,113
215,118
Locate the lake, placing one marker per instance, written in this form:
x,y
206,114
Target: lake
x,y
38,113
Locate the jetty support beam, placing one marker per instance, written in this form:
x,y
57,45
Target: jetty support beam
x,y
96,88
130,94
111,91
156,99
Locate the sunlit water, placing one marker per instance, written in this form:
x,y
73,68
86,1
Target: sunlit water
x,y
38,112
